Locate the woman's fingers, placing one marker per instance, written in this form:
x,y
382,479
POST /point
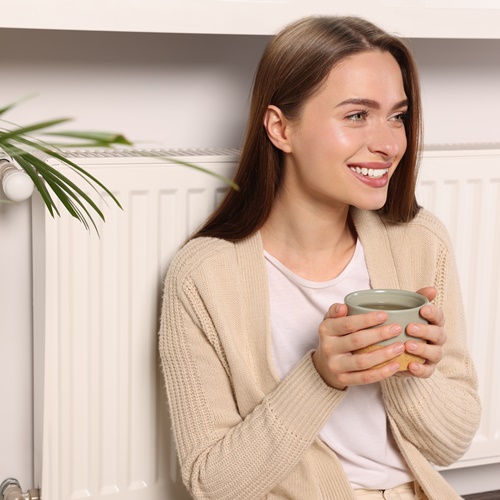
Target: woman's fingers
x,y
430,352
336,311
368,376
429,292
433,314
360,361
345,370
340,337
337,322
432,336
364,338
351,333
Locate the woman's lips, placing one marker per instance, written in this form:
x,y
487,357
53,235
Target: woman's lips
x,y
372,173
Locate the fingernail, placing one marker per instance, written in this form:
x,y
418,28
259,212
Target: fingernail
x,y
411,346
426,311
398,348
413,329
394,367
395,329
381,316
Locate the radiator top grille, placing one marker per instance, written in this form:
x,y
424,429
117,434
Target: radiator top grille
x,y
160,152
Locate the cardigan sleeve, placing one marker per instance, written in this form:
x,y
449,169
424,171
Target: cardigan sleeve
x,y
440,415
222,454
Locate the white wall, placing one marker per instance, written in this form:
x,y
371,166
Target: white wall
x,y
460,89
192,90
176,91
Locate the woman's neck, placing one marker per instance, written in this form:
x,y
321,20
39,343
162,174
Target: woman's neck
x,y
316,245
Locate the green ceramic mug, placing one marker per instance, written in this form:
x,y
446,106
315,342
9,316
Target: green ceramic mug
x,y
402,307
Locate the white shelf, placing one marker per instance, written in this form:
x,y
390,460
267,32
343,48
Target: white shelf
x,y
409,18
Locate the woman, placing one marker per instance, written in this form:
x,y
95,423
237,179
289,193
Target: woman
x,y
267,397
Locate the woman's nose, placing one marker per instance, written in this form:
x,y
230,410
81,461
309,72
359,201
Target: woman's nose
x,y
386,140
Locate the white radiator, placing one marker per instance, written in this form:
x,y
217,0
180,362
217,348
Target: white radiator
x,y
102,431
462,187
105,431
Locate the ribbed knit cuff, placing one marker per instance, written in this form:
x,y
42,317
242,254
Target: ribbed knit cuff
x,y
303,402
435,414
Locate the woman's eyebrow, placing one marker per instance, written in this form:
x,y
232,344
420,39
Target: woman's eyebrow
x,y
370,103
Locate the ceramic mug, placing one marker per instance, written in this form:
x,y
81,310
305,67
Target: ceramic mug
x,y
402,307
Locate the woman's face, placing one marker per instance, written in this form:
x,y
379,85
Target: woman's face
x,y
350,136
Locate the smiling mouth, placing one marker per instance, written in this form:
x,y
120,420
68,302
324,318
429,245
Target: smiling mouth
x,y
373,173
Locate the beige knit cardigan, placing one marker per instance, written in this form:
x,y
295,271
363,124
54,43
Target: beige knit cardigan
x,y
241,433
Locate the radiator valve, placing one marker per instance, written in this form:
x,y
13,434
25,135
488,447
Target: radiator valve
x,y
10,489
16,183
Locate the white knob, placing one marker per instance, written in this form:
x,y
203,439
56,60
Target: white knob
x,y
17,184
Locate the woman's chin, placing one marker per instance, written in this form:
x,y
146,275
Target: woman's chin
x,y
370,204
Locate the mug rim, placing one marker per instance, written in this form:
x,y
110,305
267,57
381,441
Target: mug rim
x,y
349,298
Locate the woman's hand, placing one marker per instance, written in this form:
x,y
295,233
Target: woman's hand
x,y
433,334
340,335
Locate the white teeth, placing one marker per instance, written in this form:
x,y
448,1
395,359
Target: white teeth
x,y
370,172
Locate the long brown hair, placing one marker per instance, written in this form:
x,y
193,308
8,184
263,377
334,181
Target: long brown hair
x,y
293,67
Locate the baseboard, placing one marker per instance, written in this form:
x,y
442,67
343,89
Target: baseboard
x,y
490,495
475,480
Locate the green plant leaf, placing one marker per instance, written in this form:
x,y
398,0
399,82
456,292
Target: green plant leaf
x,y
68,204
64,189
17,142
20,131
15,103
62,146
201,169
89,178
66,196
98,138
39,184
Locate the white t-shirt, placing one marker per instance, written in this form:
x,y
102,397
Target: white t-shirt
x,y
357,431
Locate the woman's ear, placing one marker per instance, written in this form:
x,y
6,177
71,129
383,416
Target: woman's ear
x,y
276,128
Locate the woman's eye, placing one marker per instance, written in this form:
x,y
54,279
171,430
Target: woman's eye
x,y
401,117
358,117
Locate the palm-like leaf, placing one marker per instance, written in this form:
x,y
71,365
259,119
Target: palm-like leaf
x,y
52,185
